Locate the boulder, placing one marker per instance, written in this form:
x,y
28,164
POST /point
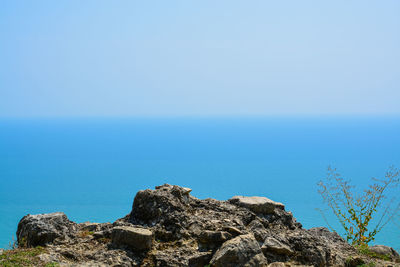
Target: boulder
x,y
273,245
385,251
258,205
137,239
242,250
150,206
42,229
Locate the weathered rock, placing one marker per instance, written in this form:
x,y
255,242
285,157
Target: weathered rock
x,y
273,245
260,205
200,259
137,239
243,250
385,251
258,229
174,214
214,237
42,229
319,246
149,205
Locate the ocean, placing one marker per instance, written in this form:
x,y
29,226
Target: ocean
x,y
91,168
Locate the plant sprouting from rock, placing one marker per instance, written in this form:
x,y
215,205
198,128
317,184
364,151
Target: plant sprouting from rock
x,y
361,215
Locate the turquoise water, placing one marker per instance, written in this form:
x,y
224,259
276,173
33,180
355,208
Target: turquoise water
x,y
91,168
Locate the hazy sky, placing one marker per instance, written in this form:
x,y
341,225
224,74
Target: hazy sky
x,y
205,58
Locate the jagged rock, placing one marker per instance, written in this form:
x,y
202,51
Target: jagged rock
x,y
319,246
261,205
273,245
385,251
135,238
258,229
243,250
42,229
149,205
175,214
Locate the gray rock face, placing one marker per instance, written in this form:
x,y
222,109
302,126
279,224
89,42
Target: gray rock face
x,y
137,239
258,205
41,229
149,205
275,246
243,250
385,251
319,246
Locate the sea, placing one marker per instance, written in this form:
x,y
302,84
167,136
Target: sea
x,y
91,168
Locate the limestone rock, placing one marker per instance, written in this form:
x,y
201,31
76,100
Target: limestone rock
x,y
319,246
150,205
137,239
243,250
273,245
42,229
258,205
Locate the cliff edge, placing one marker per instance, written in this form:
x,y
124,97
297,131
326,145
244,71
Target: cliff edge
x,y
169,227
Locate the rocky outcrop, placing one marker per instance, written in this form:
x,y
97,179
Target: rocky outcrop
x,y
243,250
169,227
42,229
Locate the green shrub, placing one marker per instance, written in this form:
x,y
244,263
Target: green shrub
x,y
355,211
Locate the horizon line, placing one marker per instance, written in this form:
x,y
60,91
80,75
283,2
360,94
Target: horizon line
x,y
252,116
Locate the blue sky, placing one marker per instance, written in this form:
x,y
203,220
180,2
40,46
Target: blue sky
x,y
199,58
